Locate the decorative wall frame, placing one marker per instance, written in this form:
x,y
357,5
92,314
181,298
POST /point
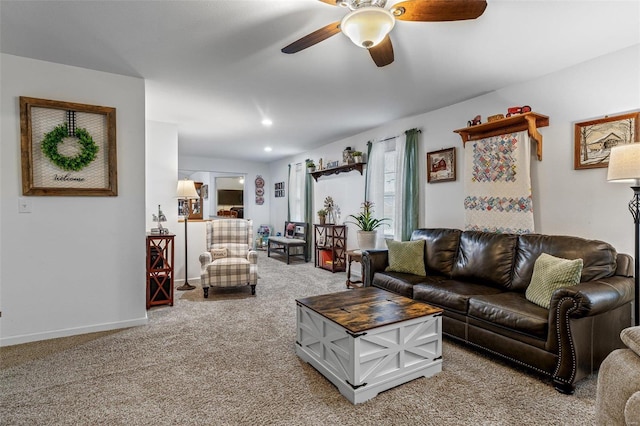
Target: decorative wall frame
x,y
259,190
279,189
594,139
441,165
68,149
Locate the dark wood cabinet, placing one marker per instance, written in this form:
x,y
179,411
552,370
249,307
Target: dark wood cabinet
x,y
160,269
331,247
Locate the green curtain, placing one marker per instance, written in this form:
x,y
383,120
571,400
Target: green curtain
x,y
366,173
289,194
308,210
411,210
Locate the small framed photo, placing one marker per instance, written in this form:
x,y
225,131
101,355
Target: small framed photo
x,y
441,165
594,139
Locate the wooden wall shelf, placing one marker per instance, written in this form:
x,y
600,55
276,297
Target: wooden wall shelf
x,y
340,169
529,121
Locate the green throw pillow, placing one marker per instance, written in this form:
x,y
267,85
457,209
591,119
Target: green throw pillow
x,y
549,274
406,256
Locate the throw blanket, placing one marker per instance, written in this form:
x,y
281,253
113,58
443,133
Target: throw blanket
x,y
498,184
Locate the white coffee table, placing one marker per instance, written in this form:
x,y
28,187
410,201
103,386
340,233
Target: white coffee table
x,y
368,340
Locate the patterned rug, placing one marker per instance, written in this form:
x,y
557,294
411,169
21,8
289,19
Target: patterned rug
x,y
498,184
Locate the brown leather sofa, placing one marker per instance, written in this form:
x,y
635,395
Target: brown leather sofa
x,y
480,279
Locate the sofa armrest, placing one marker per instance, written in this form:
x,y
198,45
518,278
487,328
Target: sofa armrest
x,y
595,297
373,261
252,257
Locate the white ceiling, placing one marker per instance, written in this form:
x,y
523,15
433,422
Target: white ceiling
x,y
215,67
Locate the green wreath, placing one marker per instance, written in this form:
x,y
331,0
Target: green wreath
x,y
76,163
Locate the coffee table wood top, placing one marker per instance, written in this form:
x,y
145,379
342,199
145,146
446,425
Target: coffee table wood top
x,y
362,309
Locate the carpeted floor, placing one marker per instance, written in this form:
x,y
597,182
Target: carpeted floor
x,y
230,360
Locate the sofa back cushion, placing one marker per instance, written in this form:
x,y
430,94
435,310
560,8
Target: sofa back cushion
x,y
599,258
441,248
485,257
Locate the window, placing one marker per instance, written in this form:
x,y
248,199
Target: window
x,y
389,190
296,192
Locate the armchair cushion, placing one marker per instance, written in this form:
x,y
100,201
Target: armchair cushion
x,y
232,249
218,253
549,274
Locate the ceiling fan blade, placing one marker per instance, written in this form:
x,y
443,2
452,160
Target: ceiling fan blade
x,y
438,10
313,38
331,2
382,53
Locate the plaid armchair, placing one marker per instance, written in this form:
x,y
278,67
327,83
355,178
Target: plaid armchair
x,y
229,260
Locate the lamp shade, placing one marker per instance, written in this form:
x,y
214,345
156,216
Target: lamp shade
x,y
367,26
187,190
624,164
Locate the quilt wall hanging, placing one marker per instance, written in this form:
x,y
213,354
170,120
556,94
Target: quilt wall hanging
x,y
498,184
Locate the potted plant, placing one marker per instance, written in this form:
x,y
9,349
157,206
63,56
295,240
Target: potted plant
x,y
357,156
311,166
368,226
322,215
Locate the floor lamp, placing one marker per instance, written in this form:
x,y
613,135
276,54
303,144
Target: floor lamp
x,y
186,192
624,166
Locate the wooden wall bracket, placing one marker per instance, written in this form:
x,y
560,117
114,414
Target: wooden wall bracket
x,y
530,121
336,170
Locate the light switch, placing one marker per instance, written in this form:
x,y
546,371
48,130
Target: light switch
x,y
24,205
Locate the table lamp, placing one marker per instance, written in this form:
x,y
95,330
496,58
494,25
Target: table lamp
x,y
186,191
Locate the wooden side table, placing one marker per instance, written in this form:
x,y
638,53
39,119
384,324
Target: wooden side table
x,y
354,256
159,270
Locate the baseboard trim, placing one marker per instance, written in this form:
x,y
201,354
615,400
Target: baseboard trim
x,y
54,334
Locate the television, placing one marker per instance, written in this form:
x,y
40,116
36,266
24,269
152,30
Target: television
x,y
230,197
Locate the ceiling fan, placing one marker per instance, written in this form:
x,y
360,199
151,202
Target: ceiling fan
x,y
368,23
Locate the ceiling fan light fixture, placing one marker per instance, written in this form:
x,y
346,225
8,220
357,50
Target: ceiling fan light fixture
x,y
367,26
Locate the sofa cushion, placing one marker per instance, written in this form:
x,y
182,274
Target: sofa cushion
x,y
450,294
549,274
397,282
441,247
599,258
631,337
485,257
406,256
511,310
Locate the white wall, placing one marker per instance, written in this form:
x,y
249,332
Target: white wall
x,y
74,264
162,173
566,201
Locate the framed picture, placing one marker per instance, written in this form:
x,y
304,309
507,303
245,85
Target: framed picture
x,y
279,189
441,165
67,148
594,139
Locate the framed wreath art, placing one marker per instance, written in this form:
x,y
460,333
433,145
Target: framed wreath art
x,y
67,148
